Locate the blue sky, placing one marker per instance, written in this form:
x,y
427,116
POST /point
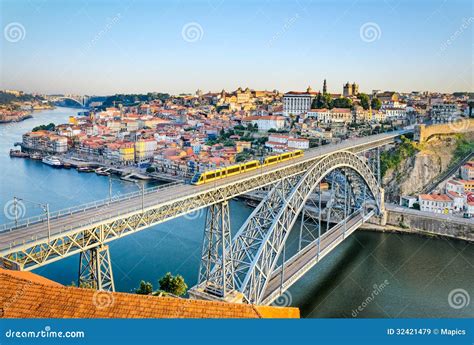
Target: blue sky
x,y
104,47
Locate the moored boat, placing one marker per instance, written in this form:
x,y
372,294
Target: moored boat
x,y
52,161
36,156
85,169
18,153
102,171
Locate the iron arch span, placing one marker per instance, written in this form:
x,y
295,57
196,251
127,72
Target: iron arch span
x,y
81,103
258,244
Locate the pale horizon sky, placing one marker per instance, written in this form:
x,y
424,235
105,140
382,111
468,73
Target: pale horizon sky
x,y
136,46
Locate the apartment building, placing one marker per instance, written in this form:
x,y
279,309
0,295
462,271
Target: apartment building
x,y
436,203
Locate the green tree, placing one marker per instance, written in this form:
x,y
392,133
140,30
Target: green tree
x,y
229,143
146,288
393,158
173,284
241,157
376,103
342,102
327,101
48,127
319,102
364,100
250,127
150,170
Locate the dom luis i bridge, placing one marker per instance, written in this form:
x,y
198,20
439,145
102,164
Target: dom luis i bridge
x,y
251,265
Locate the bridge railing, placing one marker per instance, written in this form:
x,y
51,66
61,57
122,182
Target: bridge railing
x,y
26,222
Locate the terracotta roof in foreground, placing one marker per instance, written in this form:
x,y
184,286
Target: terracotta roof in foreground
x,y
27,295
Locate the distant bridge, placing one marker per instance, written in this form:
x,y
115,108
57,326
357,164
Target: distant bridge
x,y
81,100
245,265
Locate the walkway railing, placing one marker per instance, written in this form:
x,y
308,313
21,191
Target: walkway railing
x,y
25,222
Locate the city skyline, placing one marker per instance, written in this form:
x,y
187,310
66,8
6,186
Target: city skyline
x,y
140,47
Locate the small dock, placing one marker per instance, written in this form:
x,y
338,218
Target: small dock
x,y
167,177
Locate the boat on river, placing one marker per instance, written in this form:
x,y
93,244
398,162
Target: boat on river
x,y
18,154
85,169
36,156
102,171
52,161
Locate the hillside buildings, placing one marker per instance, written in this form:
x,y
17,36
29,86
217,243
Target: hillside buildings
x,y
181,134
458,197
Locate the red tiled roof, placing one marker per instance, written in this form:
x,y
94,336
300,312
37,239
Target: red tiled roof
x,y
301,93
340,110
454,194
435,197
298,140
27,295
267,117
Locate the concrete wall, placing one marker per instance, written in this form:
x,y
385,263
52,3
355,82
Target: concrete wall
x,y
424,132
423,223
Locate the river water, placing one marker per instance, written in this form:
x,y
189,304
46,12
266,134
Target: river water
x,y
369,275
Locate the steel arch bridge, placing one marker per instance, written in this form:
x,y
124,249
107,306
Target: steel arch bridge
x,y
246,265
252,267
82,101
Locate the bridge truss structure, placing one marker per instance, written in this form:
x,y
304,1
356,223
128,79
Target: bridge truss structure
x,y
251,263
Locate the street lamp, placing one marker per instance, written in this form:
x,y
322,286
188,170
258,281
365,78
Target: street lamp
x,y
142,188
110,189
45,208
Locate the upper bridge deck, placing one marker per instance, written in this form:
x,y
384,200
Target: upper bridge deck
x,y
157,205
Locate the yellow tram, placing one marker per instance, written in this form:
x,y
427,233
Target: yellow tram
x,y
213,175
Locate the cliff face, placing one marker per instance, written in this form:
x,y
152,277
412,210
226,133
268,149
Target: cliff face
x,y
419,170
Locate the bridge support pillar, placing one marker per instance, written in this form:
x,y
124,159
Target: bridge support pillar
x,y
382,201
216,272
95,269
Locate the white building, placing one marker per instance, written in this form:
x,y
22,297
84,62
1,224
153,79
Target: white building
x,y
278,138
283,143
276,147
470,208
341,115
444,112
408,201
298,143
266,123
458,201
296,103
436,203
454,186
323,115
394,113
467,171
335,115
